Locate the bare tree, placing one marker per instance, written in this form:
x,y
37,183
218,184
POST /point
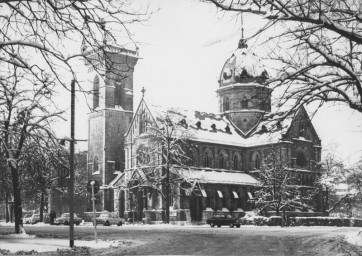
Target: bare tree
x,y
5,184
26,113
165,152
38,36
318,49
280,190
333,173
39,167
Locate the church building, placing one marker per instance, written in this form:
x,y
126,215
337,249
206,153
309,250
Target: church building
x,y
229,146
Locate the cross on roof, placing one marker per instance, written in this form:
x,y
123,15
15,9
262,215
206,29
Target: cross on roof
x,y
143,91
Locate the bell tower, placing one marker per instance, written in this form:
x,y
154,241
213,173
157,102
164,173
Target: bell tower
x,y
243,95
112,111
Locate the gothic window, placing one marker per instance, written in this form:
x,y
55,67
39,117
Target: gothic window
x,y
236,164
208,158
195,157
96,92
226,103
255,160
119,94
95,164
142,122
244,103
236,161
302,159
222,160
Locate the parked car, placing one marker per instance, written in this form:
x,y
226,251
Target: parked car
x,y
222,219
31,218
108,218
64,219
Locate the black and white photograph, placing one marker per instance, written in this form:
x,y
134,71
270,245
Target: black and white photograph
x,y
181,127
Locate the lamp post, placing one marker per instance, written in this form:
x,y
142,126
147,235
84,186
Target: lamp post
x,y
71,166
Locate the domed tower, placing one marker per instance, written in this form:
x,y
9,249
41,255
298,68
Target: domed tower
x,y
243,95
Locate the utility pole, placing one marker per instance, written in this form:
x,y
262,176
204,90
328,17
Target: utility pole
x,y
71,166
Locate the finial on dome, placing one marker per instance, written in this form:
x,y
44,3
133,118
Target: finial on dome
x,y
242,42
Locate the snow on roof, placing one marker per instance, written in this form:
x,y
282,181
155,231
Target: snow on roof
x,y
242,60
246,59
216,177
218,129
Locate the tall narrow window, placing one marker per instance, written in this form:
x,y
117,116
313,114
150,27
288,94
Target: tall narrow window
x,y
95,164
256,160
236,164
244,103
119,94
96,92
222,160
302,159
207,158
142,122
226,103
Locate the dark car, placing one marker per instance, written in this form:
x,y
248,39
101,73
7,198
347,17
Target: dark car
x,y
223,219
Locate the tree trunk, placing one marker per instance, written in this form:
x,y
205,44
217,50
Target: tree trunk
x,y
41,210
7,215
168,195
17,198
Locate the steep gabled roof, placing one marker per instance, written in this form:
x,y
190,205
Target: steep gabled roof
x,y
218,129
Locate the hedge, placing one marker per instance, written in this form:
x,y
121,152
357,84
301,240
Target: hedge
x,y
302,221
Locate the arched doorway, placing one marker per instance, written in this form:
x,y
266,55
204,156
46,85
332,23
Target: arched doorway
x,y
141,198
121,203
195,208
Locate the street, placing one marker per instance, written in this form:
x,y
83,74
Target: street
x,y
204,240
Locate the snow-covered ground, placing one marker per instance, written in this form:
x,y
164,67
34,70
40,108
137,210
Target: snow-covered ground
x,y
355,237
25,242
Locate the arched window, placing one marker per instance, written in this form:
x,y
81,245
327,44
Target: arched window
x,y
255,160
119,94
226,103
208,158
95,164
223,160
96,92
142,122
244,103
236,161
195,158
302,158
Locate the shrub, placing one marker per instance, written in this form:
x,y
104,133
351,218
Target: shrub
x,y
302,221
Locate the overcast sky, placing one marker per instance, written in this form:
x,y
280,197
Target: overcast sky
x,y
182,50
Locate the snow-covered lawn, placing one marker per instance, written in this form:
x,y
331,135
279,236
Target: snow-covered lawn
x,y
355,237
25,242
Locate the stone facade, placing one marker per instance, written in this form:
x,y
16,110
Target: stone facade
x,y
227,147
111,116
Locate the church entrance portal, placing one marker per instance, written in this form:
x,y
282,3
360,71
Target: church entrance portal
x,y
196,208
121,203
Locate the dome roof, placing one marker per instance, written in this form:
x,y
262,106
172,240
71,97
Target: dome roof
x,y
243,67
